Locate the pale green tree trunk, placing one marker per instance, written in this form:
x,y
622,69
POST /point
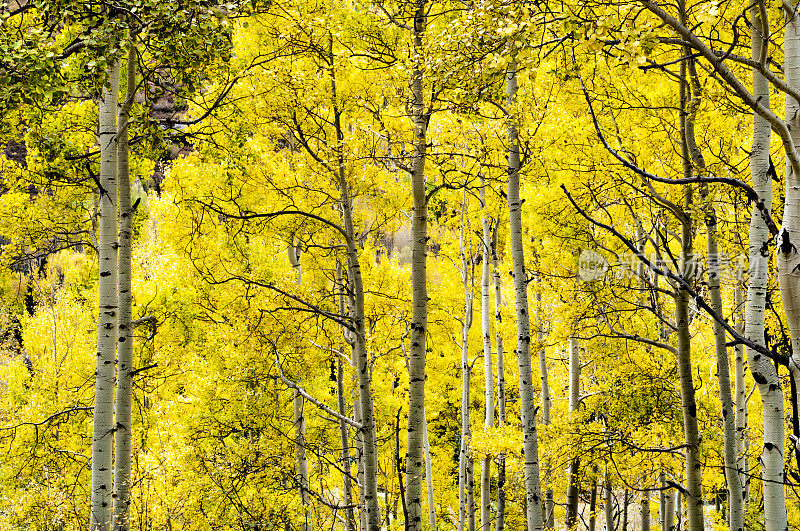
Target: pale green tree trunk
x,y
103,423
533,497
122,417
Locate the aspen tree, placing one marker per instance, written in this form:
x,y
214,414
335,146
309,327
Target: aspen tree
x,y
764,372
573,485
501,382
465,486
533,498
740,394
103,424
732,475
549,504
122,410
344,435
694,496
419,289
486,331
358,318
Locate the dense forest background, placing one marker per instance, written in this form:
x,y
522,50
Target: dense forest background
x,y
403,264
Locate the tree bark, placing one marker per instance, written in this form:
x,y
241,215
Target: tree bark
x,y
501,383
533,498
694,496
465,512
609,502
486,330
429,478
122,416
103,423
344,436
645,512
358,329
549,504
573,487
419,288
761,367
732,475
740,395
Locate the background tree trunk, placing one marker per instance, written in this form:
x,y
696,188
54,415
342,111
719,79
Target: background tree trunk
x,y
486,331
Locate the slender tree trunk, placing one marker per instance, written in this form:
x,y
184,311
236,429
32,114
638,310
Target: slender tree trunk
x,y
419,288
761,367
103,424
573,487
549,504
662,500
669,510
301,465
486,330
358,333
740,395
429,478
787,255
625,501
501,383
122,417
609,502
645,512
593,507
300,455
694,501
533,497
465,511
470,494
723,373
349,518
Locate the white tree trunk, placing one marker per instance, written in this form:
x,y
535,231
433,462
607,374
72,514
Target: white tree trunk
x,y
645,512
103,423
761,367
429,478
486,330
694,501
464,457
344,437
533,497
549,505
419,288
122,417
740,394
501,383
609,502
669,510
